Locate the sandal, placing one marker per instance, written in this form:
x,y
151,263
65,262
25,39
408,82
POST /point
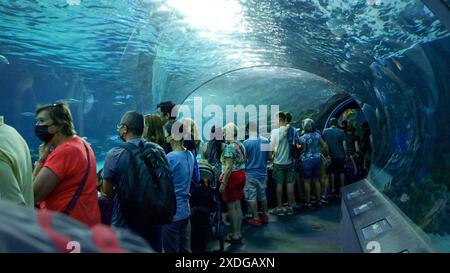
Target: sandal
x,y
229,239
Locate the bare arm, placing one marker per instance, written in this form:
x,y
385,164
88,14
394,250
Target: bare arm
x,y
324,148
44,183
204,150
226,174
227,170
270,156
107,188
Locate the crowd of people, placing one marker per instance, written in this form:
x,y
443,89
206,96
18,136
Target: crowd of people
x,y
65,178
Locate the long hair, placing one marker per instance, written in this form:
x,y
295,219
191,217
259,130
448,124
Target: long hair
x,y
60,114
153,129
191,136
230,131
216,142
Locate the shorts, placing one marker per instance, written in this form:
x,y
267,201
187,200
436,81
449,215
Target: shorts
x,y
311,168
298,166
255,189
337,165
283,174
234,190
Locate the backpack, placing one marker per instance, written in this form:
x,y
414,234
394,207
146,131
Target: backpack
x,y
26,230
208,173
149,196
293,150
206,213
202,193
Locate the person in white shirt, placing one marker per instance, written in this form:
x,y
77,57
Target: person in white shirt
x,y
283,172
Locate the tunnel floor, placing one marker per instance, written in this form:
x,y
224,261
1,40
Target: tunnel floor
x,y
315,231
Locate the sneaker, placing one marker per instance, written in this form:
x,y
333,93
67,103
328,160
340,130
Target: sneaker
x,y
289,211
248,215
277,211
264,218
254,222
323,200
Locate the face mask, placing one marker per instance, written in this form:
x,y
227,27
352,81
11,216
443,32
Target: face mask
x,y
42,133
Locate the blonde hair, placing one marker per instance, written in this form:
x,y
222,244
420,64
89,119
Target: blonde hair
x,y
308,125
191,131
228,128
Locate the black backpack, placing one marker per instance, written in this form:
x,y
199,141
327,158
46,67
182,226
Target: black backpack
x,y
149,196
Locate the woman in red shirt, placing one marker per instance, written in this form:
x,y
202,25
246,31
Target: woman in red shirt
x,y
63,166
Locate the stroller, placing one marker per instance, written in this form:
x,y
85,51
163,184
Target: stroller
x,y
206,210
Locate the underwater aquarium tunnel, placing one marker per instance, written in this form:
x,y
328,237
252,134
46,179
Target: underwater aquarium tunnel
x,y
383,62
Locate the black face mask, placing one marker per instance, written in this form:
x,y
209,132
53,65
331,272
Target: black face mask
x,y
42,133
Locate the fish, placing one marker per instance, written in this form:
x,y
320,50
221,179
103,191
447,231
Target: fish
x,y
123,97
88,103
373,2
73,2
70,101
113,137
3,59
118,103
398,64
404,198
348,55
27,114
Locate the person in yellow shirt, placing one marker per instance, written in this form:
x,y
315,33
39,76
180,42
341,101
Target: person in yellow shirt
x,y
15,167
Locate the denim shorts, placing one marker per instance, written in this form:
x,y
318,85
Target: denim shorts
x,y
311,168
255,189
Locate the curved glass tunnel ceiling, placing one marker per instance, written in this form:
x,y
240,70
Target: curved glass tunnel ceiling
x,y
106,57
292,90
170,47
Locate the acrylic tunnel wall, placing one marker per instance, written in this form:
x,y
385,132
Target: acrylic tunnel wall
x,y
406,105
408,112
107,57
262,91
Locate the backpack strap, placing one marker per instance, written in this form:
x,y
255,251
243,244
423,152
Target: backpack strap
x,y
133,150
68,209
